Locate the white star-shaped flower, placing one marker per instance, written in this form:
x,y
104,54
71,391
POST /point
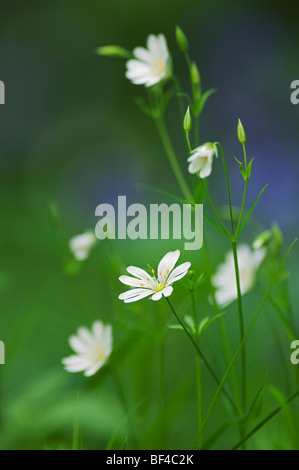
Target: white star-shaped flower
x,y
154,285
201,160
81,245
92,349
224,280
150,65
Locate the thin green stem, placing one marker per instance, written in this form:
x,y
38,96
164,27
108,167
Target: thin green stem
x,y
285,321
238,282
242,207
241,324
173,159
245,156
240,348
124,405
200,353
244,192
264,421
214,209
223,332
162,391
188,142
181,111
196,131
227,188
198,370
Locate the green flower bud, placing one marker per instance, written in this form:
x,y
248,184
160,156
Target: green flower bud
x,y
262,239
277,234
181,40
53,216
113,51
187,121
241,133
195,76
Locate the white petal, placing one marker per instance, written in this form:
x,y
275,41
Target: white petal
x,y
98,330
77,345
258,257
85,336
153,80
163,46
179,272
206,171
196,165
130,281
134,294
137,67
142,54
157,296
167,291
167,264
93,369
224,298
107,340
154,47
75,363
138,272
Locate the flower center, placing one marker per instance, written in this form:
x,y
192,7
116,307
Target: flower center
x,y
157,67
159,287
98,354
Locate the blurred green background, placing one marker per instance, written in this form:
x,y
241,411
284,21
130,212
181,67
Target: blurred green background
x,y
71,133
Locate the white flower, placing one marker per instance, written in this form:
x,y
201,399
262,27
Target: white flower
x,y
224,280
201,160
154,285
150,65
81,245
92,349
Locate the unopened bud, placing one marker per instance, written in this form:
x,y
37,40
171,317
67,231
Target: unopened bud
x,y
113,51
241,133
187,121
181,40
195,76
262,239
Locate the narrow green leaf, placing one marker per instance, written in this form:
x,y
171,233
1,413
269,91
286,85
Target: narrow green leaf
x,y
207,322
190,322
114,51
201,278
250,211
264,422
255,408
238,161
124,446
215,436
283,403
163,191
249,168
144,106
175,326
202,101
183,201
215,225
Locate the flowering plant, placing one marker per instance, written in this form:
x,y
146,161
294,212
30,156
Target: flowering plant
x,y
244,265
